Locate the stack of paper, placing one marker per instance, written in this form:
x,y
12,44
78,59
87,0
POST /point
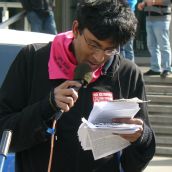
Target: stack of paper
x,y
101,143
100,135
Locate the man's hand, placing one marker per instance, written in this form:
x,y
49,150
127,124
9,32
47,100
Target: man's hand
x,y
65,96
140,6
131,137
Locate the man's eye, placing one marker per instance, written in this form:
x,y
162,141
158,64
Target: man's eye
x,y
94,46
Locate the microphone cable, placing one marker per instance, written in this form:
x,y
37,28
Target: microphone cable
x,y
83,75
52,145
52,130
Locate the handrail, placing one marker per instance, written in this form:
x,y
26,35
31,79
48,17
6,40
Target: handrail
x,y
6,21
13,19
10,5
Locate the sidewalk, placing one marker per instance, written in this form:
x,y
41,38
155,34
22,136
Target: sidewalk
x,y
160,164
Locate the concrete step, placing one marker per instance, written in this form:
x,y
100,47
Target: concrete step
x,y
143,62
158,80
159,164
159,89
164,150
165,109
164,140
160,98
160,119
162,129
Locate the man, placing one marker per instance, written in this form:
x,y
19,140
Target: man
x,y
158,18
40,15
39,83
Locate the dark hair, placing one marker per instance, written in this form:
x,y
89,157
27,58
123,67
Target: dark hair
x,y
107,19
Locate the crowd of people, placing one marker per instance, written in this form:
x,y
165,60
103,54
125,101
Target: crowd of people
x,y
40,15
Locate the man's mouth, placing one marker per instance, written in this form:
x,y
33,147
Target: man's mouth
x,y
93,66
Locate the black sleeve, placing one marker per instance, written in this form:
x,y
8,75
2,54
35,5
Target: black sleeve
x,y
28,122
136,156
26,4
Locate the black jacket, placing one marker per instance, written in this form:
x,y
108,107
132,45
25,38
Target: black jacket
x,y
44,5
25,109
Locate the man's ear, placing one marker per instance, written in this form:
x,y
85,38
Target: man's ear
x,y
75,28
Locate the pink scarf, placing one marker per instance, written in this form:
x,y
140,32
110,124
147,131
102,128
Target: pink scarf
x,y
62,62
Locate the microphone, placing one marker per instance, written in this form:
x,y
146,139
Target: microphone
x,y
83,75
4,147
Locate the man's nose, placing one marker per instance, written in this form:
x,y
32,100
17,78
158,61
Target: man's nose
x,y
99,56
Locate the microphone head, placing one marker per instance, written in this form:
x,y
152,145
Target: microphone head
x,y
83,73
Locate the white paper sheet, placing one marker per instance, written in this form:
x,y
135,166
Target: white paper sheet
x,y
105,111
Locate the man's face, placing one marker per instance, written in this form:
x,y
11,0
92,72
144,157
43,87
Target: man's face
x,y
90,50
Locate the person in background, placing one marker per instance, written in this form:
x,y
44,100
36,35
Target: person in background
x,y
38,85
127,49
0,15
158,18
40,15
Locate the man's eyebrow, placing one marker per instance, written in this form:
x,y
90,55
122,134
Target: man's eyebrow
x,y
93,41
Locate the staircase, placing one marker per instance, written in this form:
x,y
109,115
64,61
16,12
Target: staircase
x,y
159,91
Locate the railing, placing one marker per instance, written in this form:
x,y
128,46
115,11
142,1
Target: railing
x,y
6,21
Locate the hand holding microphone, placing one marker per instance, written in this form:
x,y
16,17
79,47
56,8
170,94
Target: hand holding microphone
x,y
65,95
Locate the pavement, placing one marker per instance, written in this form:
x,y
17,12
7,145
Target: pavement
x,y
160,164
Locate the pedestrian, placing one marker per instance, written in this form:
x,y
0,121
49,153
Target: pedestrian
x,y
127,50
37,90
158,18
40,14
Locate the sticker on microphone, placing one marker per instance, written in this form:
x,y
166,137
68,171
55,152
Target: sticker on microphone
x,y
102,96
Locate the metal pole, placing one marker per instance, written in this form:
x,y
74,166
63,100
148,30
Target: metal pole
x,y
4,147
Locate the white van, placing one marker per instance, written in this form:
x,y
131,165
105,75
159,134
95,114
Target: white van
x,y
11,41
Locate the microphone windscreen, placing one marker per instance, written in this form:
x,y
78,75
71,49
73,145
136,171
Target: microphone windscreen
x,y
83,73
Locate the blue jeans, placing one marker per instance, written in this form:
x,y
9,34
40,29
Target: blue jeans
x,y
159,45
44,24
127,50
